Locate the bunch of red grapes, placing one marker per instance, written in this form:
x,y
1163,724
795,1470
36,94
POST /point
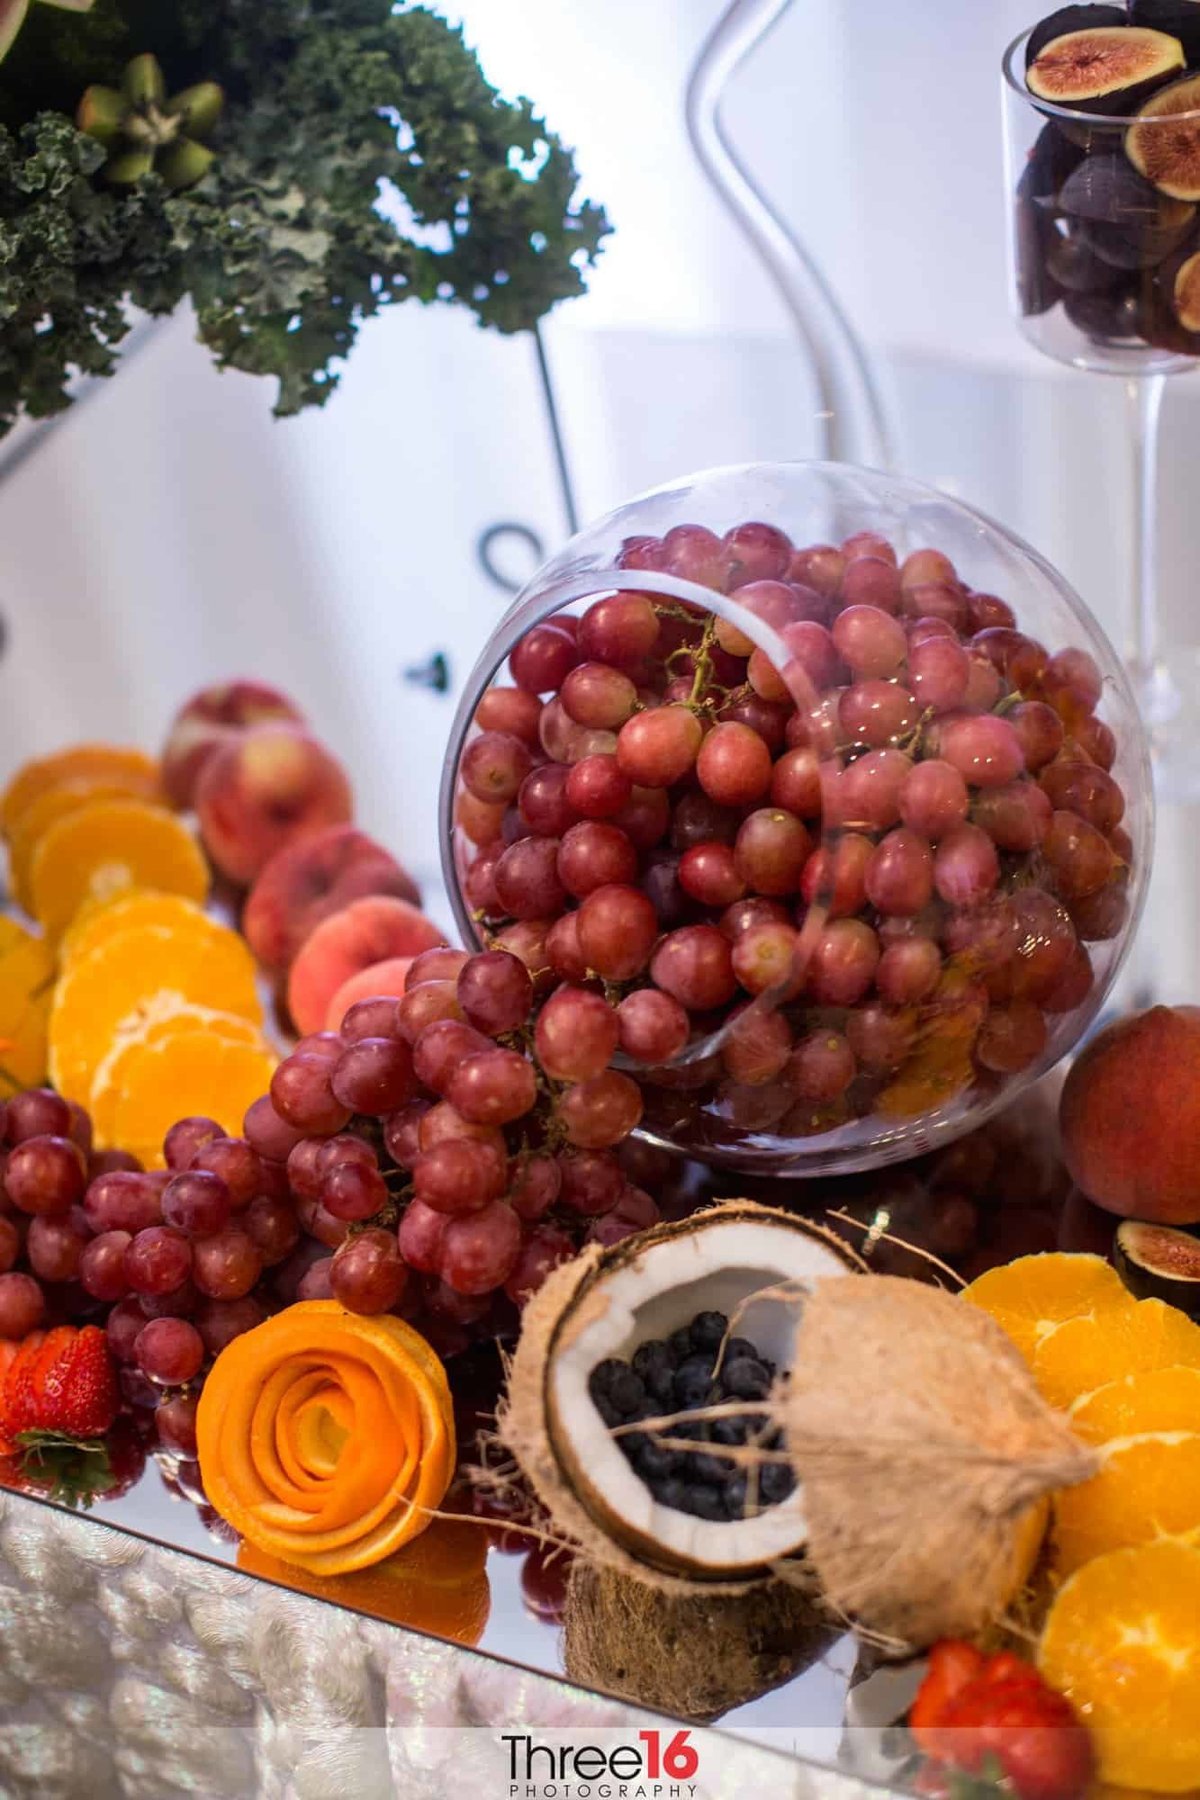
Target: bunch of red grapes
x,y
652,811
417,1161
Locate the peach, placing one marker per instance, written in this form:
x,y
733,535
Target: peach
x,y
211,718
387,977
1130,1117
303,883
266,788
376,929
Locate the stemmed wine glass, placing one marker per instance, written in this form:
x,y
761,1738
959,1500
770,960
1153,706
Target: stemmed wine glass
x,y
1104,252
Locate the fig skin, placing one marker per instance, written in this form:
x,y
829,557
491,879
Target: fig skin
x,y
1074,265
1037,290
1179,18
1181,284
1109,70
1130,1117
1159,1262
1107,190
1169,158
1073,18
1105,316
1132,248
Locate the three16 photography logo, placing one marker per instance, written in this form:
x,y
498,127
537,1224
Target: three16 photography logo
x,y
649,1765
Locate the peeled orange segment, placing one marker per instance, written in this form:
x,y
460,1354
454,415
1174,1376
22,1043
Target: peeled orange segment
x,y
1121,1642
154,1025
26,990
31,826
130,769
1089,1353
1153,1400
1035,1295
188,1072
107,847
129,973
98,920
1147,1488
326,1438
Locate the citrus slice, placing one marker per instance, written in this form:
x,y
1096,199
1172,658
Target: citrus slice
x,y
1153,1400
184,1073
1088,1353
131,769
163,1019
32,824
99,919
109,846
26,990
1035,1295
1121,1643
1148,1488
127,973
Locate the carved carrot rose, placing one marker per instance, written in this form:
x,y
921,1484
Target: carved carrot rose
x,y
326,1436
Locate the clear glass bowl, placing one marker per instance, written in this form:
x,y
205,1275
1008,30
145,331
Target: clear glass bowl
x,y
938,1037
1095,251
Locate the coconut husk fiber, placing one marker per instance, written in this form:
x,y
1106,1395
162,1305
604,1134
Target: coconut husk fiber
x,y
927,1457
694,1656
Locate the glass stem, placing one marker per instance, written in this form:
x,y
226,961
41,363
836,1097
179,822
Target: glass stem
x,y
1144,395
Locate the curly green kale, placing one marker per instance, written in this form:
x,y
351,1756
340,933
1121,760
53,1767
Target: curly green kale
x,y
362,159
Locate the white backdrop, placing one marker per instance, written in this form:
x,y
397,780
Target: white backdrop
x,y
170,531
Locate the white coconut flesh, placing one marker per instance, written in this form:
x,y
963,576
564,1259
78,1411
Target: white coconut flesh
x,y
714,1268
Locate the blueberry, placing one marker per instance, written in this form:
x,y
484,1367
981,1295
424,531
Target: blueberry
x,y
627,1392
652,1462
680,1343
731,1431
710,1467
735,1491
776,1482
649,1357
692,1384
739,1346
632,1443
672,1492
607,1410
660,1385
603,1375
744,1379
704,1501
708,1330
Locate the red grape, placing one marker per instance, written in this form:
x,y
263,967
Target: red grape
x,y
426,1005
837,879
908,971
527,880
272,1227
10,1244
55,1245
459,1175
869,641
592,1182
495,992
1039,732
542,1252
102,1266
353,1191
187,1136
652,1027
443,1122
843,963
123,1327
542,660
494,1088
1016,817
420,1237
535,1183
899,877
479,1252
158,1260
771,850
933,799
866,794
821,1067
169,1351
694,965
441,963
374,1075
595,854
966,866
1084,789
268,1133
621,629
220,1321
302,1092
576,1034
45,1174
439,1050
494,765
734,765
542,803
198,1202
984,748
175,1422
36,1112
645,817
597,788
1079,858
597,1114
227,1265
656,749
1011,1037
317,1282
401,1132
511,710
596,694
368,1273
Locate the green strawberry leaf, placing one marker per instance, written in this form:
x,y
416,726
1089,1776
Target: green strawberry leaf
x,y
73,1471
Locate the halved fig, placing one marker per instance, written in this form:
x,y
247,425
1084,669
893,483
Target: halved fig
x,y
1164,143
1160,327
1185,292
1109,190
1157,1262
1072,18
1110,70
1181,18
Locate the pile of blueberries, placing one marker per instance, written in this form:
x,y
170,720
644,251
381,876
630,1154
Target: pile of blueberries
x,y
679,1374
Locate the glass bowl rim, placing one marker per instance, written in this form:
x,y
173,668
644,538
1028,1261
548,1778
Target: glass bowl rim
x,y
1114,121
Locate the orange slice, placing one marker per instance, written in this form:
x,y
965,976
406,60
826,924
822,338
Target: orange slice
x,y
131,769
1121,1643
107,847
1088,1353
26,991
1035,1295
127,973
99,919
183,1073
31,826
1153,1400
154,1025
1148,1488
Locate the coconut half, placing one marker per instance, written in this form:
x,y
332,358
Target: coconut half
x,y
609,1304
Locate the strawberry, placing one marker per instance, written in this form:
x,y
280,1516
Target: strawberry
x,y
16,1398
73,1384
995,1719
